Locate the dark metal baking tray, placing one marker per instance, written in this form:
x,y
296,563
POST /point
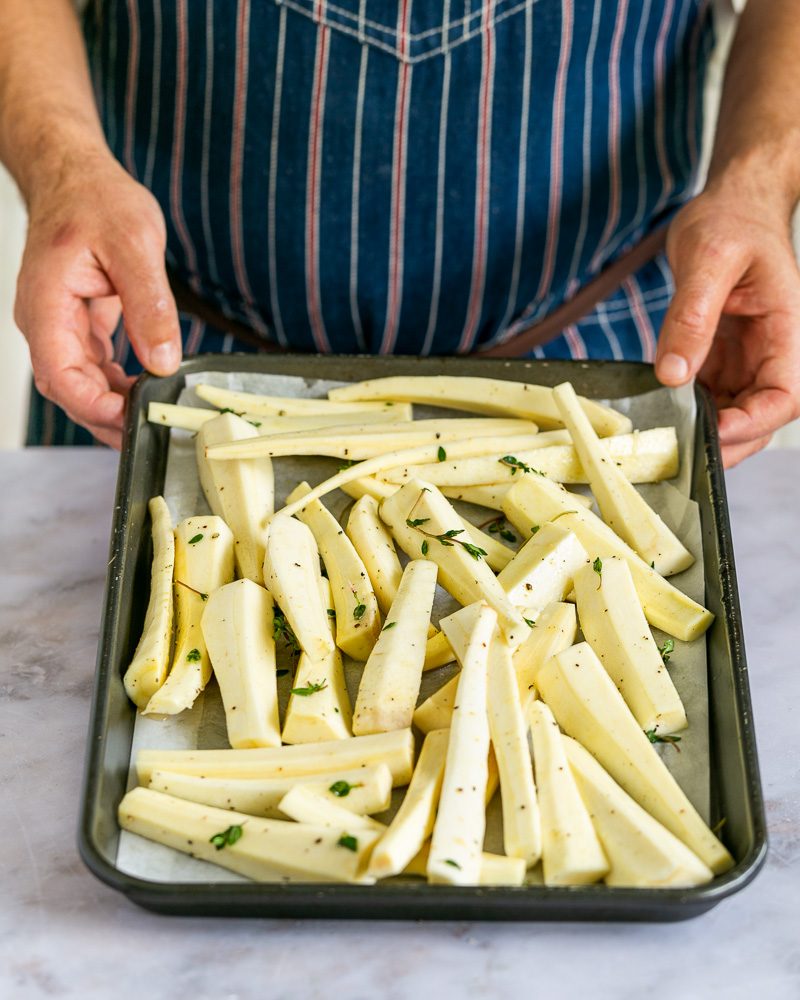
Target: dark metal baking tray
x,y
736,787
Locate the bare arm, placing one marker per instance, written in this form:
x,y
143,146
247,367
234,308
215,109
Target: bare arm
x,y
96,238
735,318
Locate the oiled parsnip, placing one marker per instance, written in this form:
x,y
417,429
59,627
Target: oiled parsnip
x,y
319,705
395,749
265,848
480,395
624,510
391,678
642,457
241,493
305,805
589,708
413,821
291,574
496,869
292,406
423,522
359,443
203,564
489,495
437,652
361,790
148,668
640,851
369,486
237,629
543,569
534,500
458,832
374,545
522,832
614,625
571,851
192,418
358,620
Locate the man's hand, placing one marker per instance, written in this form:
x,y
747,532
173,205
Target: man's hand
x,y
95,247
735,318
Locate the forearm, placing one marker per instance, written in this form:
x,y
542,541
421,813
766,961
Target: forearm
x,y
48,116
758,134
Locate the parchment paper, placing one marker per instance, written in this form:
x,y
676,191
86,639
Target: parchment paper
x,y
204,725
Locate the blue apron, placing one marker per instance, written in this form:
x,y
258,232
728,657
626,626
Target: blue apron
x,y
414,177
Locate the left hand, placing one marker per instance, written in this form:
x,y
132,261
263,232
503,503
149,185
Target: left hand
x,y
734,321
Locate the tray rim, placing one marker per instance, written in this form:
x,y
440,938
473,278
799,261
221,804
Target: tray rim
x,y
417,900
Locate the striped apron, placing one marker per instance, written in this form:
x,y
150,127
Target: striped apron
x,y
414,177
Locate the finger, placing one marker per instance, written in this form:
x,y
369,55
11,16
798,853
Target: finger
x,y
112,438
118,380
139,276
104,316
755,416
733,454
704,278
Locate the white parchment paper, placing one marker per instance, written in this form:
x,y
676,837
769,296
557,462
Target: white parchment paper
x,y
204,725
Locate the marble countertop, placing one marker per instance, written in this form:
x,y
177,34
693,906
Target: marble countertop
x,y
64,934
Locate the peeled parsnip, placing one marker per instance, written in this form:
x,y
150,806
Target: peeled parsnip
x,y
148,668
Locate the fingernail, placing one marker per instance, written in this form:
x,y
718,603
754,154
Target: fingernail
x,y
673,368
165,357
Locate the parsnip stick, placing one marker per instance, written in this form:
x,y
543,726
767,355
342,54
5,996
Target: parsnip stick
x,y
261,849
391,677
148,668
480,395
496,869
305,805
192,418
285,406
543,570
624,509
374,545
613,623
458,833
395,749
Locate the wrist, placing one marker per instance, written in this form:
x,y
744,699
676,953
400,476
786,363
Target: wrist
x,y
764,174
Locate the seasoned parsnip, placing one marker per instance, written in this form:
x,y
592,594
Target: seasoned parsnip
x,y
543,569
283,406
375,547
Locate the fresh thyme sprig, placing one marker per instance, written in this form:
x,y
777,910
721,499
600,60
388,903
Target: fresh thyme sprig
x,y
281,629
655,737
311,688
667,649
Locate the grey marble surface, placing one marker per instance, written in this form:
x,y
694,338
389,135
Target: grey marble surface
x,y
64,934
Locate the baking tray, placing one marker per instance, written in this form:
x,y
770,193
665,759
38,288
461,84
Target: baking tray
x,y
735,783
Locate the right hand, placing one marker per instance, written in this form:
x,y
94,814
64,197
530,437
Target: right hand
x,y
95,249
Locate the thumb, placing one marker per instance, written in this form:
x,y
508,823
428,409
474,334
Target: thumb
x,y
704,279
138,274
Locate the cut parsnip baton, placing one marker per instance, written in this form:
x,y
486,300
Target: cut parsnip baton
x,y
480,395
413,821
624,510
305,805
375,547
490,496
543,569
358,620
363,442
437,652
458,832
423,522
496,869
571,851
362,790
265,848
522,832
396,750
614,625
285,406
187,418
642,456
148,668
436,712
498,556
534,500
291,574
241,493
641,852
319,705
589,708
391,678
554,632
369,486
192,418
203,564
237,629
